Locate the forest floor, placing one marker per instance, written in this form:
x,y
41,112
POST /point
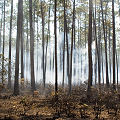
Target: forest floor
x,y
100,105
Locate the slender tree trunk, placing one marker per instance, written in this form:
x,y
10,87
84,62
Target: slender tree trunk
x,y
72,40
80,43
1,31
96,45
81,64
102,61
114,44
37,50
3,67
78,31
89,46
110,54
49,20
22,42
55,32
43,56
98,52
105,40
53,61
67,45
64,45
31,47
48,38
49,29
74,30
19,22
85,40
27,48
117,68
10,38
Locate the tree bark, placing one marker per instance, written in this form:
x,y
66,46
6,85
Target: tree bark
x,y
1,31
114,45
105,40
22,42
55,32
19,22
43,44
89,46
10,38
64,44
31,47
71,56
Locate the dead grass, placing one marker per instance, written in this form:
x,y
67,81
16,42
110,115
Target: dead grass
x,y
73,107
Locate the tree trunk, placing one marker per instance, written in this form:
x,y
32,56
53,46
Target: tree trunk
x,y
22,42
72,40
98,52
3,67
105,40
89,46
19,22
110,54
43,41
64,44
117,68
55,32
114,45
1,31
67,45
10,37
31,47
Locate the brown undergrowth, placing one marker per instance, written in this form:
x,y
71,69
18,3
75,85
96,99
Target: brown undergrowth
x,y
76,106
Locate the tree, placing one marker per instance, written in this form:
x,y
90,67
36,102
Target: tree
x,y
55,32
109,53
19,29
48,37
3,49
98,51
72,38
67,45
105,40
96,43
114,44
10,37
43,43
22,42
31,47
1,30
64,43
89,46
